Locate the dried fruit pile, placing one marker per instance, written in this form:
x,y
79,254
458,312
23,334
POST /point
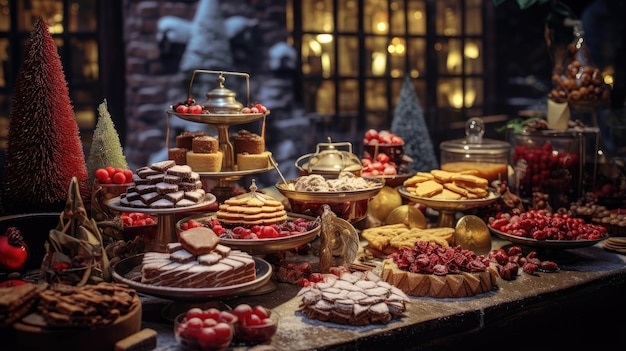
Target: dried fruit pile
x,y
431,258
542,225
509,261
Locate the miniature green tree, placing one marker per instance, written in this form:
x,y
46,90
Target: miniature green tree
x,y
408,122
106,148
44,149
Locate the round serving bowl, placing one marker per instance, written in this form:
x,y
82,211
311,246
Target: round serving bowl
x,y
256,325
350,205
204,330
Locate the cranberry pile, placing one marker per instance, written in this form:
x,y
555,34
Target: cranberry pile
x,y
288,228
430,258
547,170
542,225
509,261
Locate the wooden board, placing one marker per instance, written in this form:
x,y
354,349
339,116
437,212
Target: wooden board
x,y
31,335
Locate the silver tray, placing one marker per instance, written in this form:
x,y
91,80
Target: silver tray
x,y
114,204
218,118
331,196
545,244
133,263
263,246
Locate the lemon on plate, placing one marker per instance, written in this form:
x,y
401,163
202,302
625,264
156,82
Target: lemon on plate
x,y
384,202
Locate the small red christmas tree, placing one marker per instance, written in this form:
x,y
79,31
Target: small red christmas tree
x,y
44,148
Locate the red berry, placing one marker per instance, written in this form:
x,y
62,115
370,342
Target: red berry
x,y
382,157
207,337
243,311
195,109
118,178
268,232
129,175
371,134
194,312
223,331
182,109
194,323
209,322
101,175
261,311
261,108
316,277
253,320
110,170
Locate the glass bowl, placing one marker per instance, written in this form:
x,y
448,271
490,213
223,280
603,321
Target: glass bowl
x,y
258,332
197,333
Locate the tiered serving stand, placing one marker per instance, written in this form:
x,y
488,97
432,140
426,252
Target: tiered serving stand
x,y
224,113
223,106
448,208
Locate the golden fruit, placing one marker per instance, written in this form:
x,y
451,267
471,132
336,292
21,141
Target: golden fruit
x,y
384,202
410,215
472,233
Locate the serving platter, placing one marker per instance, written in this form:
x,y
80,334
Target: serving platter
x,y
166,219
451,205
114,204
262,246
218,118
334,196
128,270
545,244
448,208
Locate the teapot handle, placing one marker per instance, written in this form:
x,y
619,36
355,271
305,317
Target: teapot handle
x,y
297,163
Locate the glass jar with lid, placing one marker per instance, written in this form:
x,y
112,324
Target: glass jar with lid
x,y
547,162
488,157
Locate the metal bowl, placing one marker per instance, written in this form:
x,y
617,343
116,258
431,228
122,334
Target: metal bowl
x,y
349,205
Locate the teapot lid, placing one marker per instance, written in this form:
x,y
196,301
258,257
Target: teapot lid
x,y
221,99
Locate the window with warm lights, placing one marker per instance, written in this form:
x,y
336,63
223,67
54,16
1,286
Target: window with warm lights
x,y
355,54
74,27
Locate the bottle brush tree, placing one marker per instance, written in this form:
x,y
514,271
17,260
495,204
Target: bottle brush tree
x,y
106,148
44,148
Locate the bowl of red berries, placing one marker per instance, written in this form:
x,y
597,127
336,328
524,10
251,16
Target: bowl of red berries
x,y
205,329
256,324
383,147
138,224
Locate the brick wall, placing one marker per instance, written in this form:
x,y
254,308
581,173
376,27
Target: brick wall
x,y
154,80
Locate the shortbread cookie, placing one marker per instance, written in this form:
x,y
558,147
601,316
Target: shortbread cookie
x,y
428,188
446,194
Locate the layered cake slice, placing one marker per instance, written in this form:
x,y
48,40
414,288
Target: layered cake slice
x,y
197,261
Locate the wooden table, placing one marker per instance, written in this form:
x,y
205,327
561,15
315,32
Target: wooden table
x,y
583,305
